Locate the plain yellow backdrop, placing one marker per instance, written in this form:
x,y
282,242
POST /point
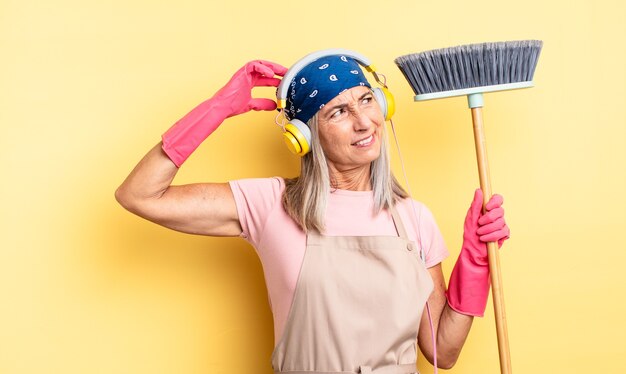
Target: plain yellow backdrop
x,y
88,87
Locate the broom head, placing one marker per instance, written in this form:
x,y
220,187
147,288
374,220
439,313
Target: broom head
x,y
471,68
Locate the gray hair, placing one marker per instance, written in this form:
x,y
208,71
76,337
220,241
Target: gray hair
x,y
305,197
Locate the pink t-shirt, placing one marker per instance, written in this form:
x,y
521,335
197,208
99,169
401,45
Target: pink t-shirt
x,y
281,244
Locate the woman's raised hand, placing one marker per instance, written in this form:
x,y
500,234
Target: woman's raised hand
x,y
234,98
237,93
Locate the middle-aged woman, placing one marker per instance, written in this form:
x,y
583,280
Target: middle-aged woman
x,y
349,259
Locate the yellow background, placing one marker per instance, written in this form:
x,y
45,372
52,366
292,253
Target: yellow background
x,y
88,87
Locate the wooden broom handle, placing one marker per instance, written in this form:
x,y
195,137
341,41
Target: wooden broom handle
x,y
492,247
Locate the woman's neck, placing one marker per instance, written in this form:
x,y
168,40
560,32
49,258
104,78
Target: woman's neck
x,y
355,179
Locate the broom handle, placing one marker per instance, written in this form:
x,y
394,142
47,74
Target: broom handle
x,y
492,247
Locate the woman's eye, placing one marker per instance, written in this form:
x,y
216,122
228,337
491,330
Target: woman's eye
x,y
337,113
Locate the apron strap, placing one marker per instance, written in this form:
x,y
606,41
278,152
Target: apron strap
x,y
397,221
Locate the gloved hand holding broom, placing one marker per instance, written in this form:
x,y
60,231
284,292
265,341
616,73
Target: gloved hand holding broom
x,y
468,288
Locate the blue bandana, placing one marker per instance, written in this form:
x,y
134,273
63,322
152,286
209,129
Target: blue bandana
x,y
320,82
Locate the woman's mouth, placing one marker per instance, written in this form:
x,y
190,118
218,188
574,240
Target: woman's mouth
x,y
364,142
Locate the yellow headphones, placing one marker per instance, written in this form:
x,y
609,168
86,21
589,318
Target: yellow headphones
x,y
296,133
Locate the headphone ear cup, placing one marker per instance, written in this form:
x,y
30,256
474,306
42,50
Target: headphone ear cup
x,y
297,137
386,101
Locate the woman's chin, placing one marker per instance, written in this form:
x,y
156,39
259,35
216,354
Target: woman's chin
x,y
367,157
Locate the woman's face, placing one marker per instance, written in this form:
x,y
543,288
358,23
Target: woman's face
x,y
350,129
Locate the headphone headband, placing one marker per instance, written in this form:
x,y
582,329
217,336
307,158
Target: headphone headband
x,y
283,87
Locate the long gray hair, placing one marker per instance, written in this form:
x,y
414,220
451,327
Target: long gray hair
x,y
306,196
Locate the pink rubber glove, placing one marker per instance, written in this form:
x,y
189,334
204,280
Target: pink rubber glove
x,y
234,98
469,282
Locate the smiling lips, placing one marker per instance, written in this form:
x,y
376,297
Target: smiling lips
x,y
365,142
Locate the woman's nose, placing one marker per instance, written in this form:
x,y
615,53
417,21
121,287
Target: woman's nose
x,y
361,120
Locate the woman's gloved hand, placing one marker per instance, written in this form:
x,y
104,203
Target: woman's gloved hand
x,y
469,282
234,98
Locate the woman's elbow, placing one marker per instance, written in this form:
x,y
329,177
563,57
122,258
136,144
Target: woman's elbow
x,y
445,362
124,198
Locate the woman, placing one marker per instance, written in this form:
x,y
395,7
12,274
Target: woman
x,y
341,244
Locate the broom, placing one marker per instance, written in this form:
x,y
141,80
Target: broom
x,y
472,70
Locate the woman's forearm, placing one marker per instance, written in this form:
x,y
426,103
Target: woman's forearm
x,y
453,330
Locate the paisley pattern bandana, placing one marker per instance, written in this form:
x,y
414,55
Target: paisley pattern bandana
x,y
320,82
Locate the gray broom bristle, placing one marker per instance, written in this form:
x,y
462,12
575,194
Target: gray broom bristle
x,y
471,65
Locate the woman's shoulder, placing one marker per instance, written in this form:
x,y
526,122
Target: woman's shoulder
x,y
416,210
258,193
269,185
410,203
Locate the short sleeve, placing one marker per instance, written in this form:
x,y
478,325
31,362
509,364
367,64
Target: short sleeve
x,y
255,198
434,246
